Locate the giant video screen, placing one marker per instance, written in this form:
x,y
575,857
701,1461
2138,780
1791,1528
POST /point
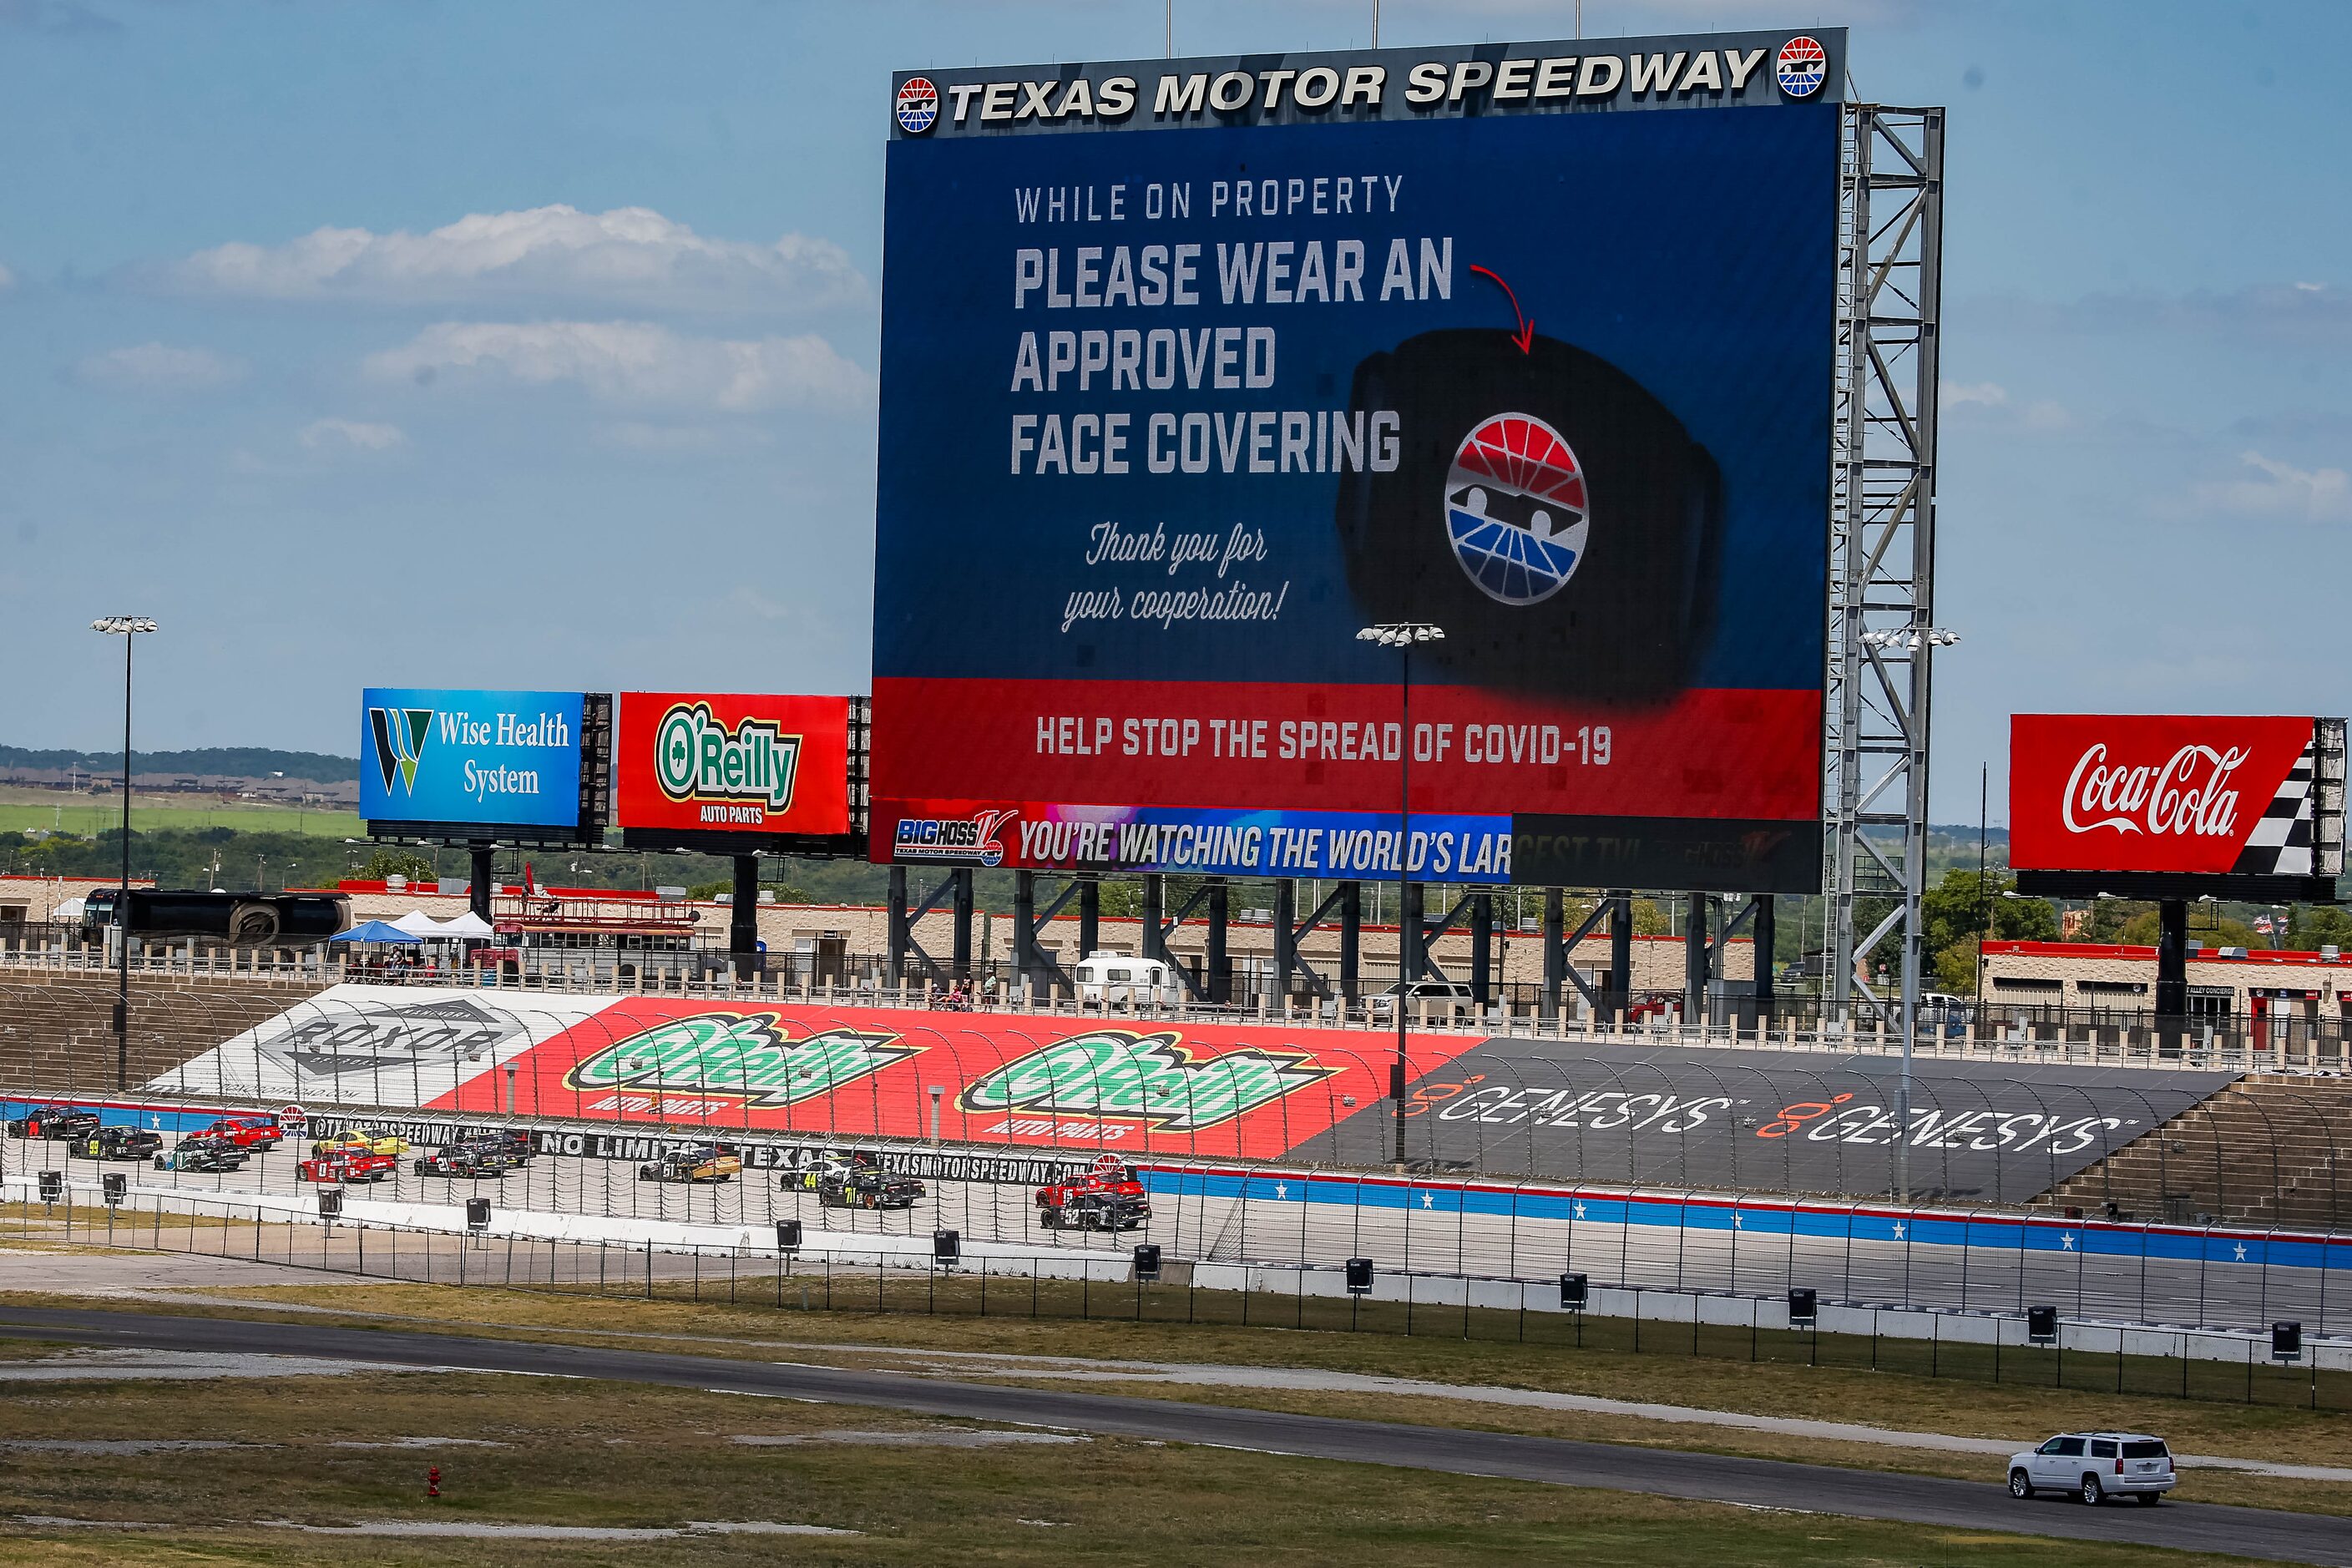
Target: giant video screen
x,y
1194,370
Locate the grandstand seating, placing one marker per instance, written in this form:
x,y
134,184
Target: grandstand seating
x,y
2266,1149
57,1030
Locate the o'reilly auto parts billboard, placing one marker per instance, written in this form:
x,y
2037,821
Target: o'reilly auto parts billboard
x,y
512,763
703,766
1192,369
2173,804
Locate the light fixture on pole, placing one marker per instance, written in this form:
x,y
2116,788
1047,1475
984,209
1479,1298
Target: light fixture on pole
x,y
1403,635
1917,642
128,628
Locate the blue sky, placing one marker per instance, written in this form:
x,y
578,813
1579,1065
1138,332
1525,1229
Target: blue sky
x,y
295,355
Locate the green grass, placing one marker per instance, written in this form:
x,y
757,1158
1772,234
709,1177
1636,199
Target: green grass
x,y
587,1453
84,815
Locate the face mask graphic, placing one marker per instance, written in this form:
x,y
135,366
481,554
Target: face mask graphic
x,y
1546,510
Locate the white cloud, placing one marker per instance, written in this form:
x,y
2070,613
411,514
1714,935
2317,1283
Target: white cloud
x,y
159,367
1988,394
7,279
352,435
628,253
634,362
2319,495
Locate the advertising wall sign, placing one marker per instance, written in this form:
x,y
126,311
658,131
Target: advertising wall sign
x,y
2245,797
480,759
1232,359
710,763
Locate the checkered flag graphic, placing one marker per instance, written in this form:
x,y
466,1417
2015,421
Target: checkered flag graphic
x,y
2281,843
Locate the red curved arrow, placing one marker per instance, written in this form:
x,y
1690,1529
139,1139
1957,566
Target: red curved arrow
x,y
1526,335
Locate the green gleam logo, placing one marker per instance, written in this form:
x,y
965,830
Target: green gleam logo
x,y
738,1054
1149,1077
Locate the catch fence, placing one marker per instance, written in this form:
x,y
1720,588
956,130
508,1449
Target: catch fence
x,y
1989,1346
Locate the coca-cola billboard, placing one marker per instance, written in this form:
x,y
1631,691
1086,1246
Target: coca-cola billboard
x,y
2176,795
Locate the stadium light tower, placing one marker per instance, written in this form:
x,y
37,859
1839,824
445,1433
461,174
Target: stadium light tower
x,y
128,627
1403,635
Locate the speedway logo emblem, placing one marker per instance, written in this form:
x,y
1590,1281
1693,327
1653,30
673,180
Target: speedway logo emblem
x,y
1802,67
696,760
1516,510
399,734
1149,1077
917,106
322,1040
743,1056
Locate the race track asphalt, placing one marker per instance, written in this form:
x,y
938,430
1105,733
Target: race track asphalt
x,y
1713,1478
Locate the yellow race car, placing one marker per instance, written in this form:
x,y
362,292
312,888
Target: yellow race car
x,y
360,1140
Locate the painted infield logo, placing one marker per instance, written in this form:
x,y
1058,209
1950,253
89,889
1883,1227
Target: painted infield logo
x,y
1148,1078
742,1055
1515,511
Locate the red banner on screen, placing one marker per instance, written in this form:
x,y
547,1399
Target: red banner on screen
x,y
2092,792
1137,1086
715,763
1266,746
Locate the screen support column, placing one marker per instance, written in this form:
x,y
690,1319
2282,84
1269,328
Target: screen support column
x,y
1351,941
1555,968
2171,968
960,965
477,893
1089,918
1695,967
743,918
1620,955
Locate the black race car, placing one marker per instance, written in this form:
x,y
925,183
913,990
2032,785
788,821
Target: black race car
x,y
469,1158
204,1154
842,1185
517,1145
696,1163
117,1143
64,1121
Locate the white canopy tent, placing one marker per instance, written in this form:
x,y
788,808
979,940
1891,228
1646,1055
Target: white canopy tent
x,y
469,924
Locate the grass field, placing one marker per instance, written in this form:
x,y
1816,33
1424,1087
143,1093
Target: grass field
x,y
581,1453
22,809
2010,1413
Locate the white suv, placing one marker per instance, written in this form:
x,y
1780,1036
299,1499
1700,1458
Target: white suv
x,y
2095,1466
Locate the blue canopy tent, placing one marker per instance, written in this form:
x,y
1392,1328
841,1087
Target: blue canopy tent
x,y
378,931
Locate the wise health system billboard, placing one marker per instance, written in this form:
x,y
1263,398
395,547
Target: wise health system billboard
x,y
436,758
2172,805
692,763
1194,369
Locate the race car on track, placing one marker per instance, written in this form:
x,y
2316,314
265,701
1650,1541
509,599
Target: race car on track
x,y
517,1144
364,1140
204,1154
117,1143
247,1131
469,1158
696,1163
54,1121
866,1185
1107,1197
349,1165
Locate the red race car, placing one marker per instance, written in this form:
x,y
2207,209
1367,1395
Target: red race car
x,y
1107,1198
247,1132
349,1165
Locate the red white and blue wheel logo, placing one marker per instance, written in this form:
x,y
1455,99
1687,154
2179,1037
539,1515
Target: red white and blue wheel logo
x,y
1516,510
1800,69
918,105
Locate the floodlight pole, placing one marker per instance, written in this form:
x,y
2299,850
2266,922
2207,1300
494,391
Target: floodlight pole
x,y
1401,635
128,627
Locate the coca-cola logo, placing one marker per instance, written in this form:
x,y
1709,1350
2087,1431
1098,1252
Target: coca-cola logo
x,y
2188,795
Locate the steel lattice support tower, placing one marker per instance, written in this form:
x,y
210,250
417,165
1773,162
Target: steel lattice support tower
x,y
1882,548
